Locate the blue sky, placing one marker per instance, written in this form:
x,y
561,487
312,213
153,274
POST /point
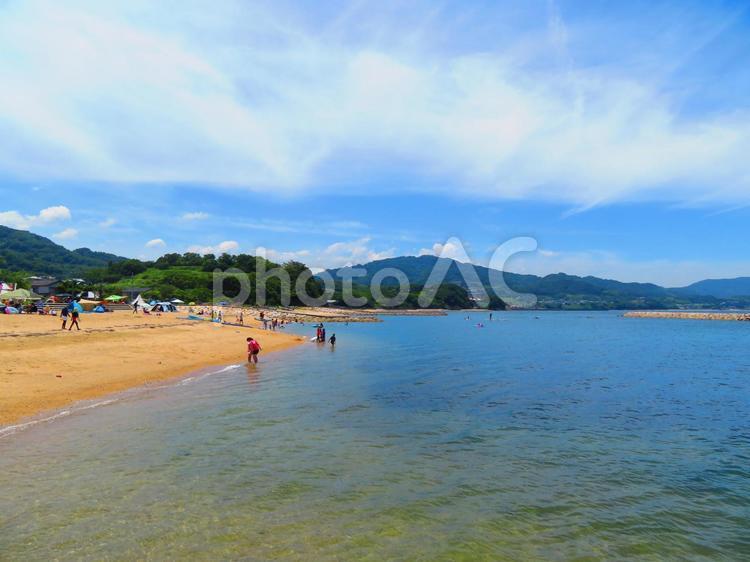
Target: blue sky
x,y
616,135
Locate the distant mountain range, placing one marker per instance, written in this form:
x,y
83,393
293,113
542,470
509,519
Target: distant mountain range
x,y
23,251
719,288
562,291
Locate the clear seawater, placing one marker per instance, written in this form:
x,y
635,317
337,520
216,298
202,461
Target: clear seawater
x,y
561,436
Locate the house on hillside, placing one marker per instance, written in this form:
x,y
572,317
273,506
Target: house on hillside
x,y
44,286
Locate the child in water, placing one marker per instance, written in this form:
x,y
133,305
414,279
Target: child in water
x,y
333,340
253,349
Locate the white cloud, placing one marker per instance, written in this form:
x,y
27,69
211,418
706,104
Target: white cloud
x,y
338,254
244,97
156,243
451,250
14,219
108,223
196,216
226,247
66,234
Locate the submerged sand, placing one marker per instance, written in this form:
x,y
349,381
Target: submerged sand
x,y
45,368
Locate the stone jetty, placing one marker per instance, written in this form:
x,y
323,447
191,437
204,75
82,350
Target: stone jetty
x,y
741,316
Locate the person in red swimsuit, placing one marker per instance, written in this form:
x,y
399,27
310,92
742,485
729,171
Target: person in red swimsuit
x,y
253,349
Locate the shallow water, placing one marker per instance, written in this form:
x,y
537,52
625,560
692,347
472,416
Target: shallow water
x,y
541,435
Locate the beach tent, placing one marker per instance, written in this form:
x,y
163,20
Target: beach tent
x,y
139,301
75,306
88,305
164,307
100,308
191,303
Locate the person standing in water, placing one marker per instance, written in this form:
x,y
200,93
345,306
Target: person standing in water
x,y
333,340
253,349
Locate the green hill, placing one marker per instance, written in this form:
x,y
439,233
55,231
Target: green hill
x,y
23,251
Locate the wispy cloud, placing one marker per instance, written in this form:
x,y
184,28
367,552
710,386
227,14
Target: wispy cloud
x,y
277,105
195,216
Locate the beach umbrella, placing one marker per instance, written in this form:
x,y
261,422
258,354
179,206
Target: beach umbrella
x,y
191,303
178,301
114,298
20,295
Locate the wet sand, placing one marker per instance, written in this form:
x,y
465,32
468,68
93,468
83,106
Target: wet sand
x,y
45,368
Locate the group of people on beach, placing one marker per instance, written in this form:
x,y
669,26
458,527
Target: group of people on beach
x,y
73,314
320,335
274,323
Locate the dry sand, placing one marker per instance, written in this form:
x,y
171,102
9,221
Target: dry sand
x,y
44,368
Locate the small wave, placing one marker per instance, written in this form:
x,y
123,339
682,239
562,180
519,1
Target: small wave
x,y
12,429
192,379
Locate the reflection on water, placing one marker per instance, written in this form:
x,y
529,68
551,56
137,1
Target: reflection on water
x,y
566,436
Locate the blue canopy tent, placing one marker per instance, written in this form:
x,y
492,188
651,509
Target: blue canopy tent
x,y
100,308
75,306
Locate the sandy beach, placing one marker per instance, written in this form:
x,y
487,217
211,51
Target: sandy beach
x,y
46,368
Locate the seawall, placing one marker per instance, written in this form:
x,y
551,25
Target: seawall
x,y
741,316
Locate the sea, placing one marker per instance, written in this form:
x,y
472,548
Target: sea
x,y
534,436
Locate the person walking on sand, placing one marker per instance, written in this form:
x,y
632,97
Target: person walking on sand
x,y
64,317
253,349
74,321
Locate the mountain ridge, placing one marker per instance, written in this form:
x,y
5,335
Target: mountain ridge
x,y
21,250
556,290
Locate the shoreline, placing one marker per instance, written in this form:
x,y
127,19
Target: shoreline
x,y
50,369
